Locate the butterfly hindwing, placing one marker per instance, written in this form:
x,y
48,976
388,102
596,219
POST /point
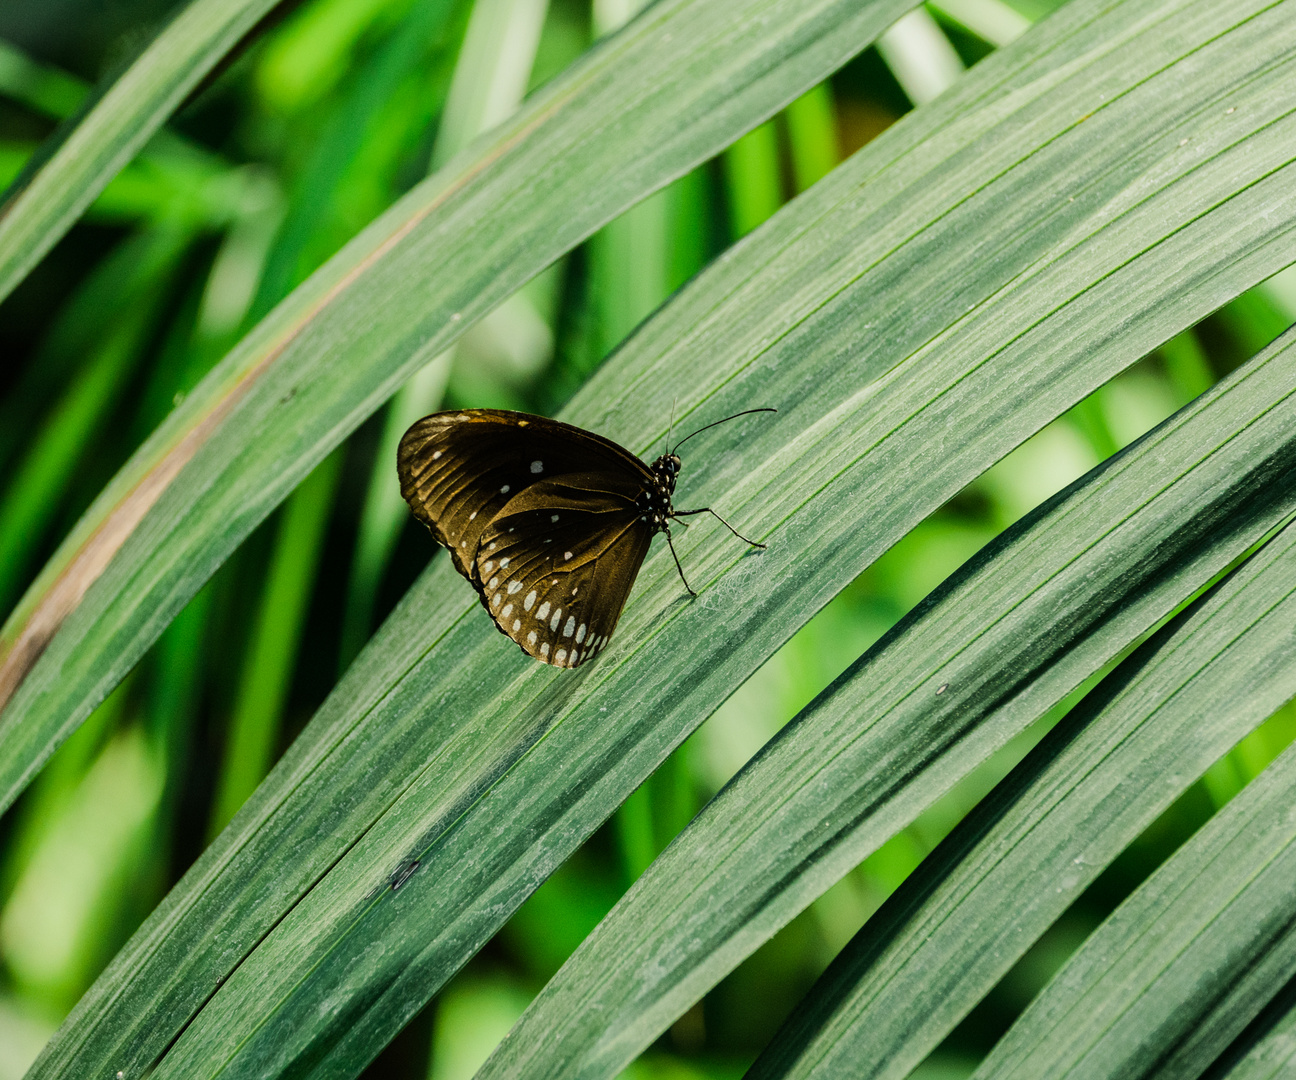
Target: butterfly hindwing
x,y
556,567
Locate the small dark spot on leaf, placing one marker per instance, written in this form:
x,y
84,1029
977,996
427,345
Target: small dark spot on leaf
x,y
403,874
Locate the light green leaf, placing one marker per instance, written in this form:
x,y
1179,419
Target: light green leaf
x,y
463,773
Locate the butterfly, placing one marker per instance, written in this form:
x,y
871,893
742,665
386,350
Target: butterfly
x,y
549,523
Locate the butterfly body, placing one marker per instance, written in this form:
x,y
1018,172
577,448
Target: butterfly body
x,y
549,523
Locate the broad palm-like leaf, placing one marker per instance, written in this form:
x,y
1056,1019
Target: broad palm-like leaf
x,y
1082,196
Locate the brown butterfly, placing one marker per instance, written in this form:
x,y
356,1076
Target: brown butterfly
x,y
548,522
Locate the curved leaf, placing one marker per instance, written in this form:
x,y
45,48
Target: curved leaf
x,y
44,204
1188,960
601,138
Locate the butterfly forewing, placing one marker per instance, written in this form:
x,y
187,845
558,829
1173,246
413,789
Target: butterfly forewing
x,y
541,517
458,470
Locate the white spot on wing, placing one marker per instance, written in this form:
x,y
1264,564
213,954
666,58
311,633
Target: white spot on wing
x,y
514,587
580,634
517,625
544,650
503,564
508,610
494,582
543,612
436,456
557,618
560,655
472,516
529,602
504,490
531,639
570,628
553,518
566,555
537,466
488,565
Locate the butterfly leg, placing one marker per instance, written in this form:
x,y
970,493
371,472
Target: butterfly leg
x,y
708,510
677,562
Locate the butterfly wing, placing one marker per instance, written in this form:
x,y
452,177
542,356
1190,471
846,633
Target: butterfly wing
x,y
557,565
459,469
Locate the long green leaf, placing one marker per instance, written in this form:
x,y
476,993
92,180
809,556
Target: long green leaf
x,y
443,748
44,203
1096,781
1033,616
1183,965
599,139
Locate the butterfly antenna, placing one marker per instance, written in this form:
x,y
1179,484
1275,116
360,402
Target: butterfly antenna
x,y
671,430
745,412
671,545
708,510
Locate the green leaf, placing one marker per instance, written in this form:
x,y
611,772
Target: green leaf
x,y
461,772
583,150
1024,624
46,201
953,930
1184,964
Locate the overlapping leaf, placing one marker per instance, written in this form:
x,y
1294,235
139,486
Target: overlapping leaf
x,y
1189,960
1095,782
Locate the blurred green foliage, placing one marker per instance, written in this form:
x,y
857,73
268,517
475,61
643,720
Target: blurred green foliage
x,y
329,116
